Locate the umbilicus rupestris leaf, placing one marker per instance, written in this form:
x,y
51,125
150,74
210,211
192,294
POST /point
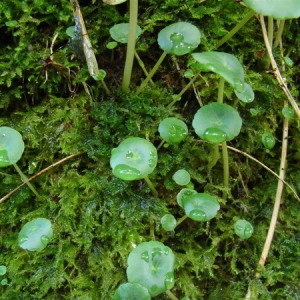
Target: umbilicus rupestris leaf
x,y
243,229
201,207
120,32
217,122
168,222
11,146
151,264
268,140
246,95
135,158
35,235
278,9
179,38
172,130
224,64
181,177
131,291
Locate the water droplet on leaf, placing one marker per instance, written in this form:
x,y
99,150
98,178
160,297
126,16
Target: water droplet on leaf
x,y
197,215
125,172
214,135
145,256
169,280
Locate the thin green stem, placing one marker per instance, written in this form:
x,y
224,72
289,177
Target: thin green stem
x,y
233,31
214,156
152,188
221,90
225,168
151,73
279,33
142,65
181,220
133,10
171,295
26,180
270,31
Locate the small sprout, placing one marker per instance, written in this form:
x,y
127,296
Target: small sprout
x,y
4,281
172,130
201,207
135,158
288,61
2,270
151,264
35,235
182,177
179,38
11,146
277,9
183,195
131,291
224,64
168,222
247,95
217,122
111,45
243,229
288,112
268,140
70,31
120,32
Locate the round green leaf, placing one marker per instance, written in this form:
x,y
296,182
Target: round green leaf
x,y
243,229
179,38
184,194
224,64
11,146
182,177
247,95
35,235
151,264
278,9
172,130
135,158
217,122
70,31
268,140
131,291
2,270
201,207
4,281
288,112
120,32
168,222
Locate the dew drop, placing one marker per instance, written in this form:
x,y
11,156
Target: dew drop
x,y
23,240
151,163
197,215
125,172
145,256
238,227
169,280
154,289
129,154
214,135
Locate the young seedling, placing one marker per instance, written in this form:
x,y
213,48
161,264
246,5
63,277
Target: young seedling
x,y
168,222
178,39
200,207
268,140
182,177
131,291
172,130
11,150
35,235
243,229
135,158
151,264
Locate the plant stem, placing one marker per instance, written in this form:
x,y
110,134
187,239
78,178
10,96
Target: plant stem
x,y
233,31
225,168
142,65
151,73
152,188
181,220
133,11
221,90
171,295
279,33
26,180
270,31
278,197
215,155
276,69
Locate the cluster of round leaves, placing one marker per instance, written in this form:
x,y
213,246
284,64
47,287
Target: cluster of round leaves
x,y
150,272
